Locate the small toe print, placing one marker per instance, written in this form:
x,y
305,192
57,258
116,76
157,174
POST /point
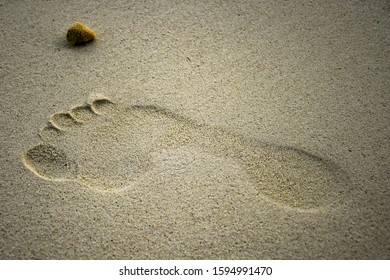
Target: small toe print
x,y
50,132
83,113
63,121
103,106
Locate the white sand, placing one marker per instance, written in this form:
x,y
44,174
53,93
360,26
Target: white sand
x,y
199,130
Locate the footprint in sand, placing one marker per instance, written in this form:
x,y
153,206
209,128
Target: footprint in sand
x,y
108,146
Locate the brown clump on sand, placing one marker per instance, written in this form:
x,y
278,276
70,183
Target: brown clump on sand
x,y
79,34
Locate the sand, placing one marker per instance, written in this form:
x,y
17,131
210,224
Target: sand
x,y
195,130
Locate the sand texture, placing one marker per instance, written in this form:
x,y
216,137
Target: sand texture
x,y
195,130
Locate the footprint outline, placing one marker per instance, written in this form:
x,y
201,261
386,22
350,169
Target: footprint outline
x,y
48,162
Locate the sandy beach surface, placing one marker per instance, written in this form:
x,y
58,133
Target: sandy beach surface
x,y
195,130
